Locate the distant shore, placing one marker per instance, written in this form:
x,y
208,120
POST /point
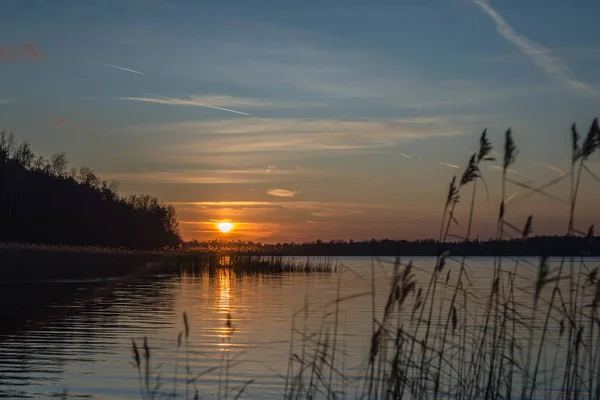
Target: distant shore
x,y
33,262
535,246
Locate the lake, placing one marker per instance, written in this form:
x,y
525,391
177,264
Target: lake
x,y
76,336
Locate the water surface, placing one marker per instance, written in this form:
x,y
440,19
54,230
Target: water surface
x,y
76,335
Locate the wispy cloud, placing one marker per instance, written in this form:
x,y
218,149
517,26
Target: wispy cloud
x,y
269,135
405,155
223,203
282,192
25,52
572,54
337,213
206,176
302,205
424,216
539,55
5,101
500,168
121,68
224,101
448,165
154,98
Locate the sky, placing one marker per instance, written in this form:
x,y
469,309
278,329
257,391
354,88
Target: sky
x,y
305,120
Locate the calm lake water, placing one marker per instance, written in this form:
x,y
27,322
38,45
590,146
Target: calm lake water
x,y
77,336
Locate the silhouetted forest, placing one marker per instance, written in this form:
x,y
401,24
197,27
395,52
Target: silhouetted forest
x,y
42,202
533,246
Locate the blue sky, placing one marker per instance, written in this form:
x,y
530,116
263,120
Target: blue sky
x,y
346,119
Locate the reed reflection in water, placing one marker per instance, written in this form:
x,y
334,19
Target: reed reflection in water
x,y
243,321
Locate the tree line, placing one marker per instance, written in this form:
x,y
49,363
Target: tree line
x,y
43,202
551,246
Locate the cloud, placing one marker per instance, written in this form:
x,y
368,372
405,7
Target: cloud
x,y
25,52
223,101
574,54
313,66
448,165
225,203
253,135
424,216
337,213
337,77
539,55
282,193
310,206
5,101
500,168
194,176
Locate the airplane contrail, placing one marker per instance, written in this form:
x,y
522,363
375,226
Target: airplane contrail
x,y
448,165
117,67
539,55
172,100
510,198
423,216
556,169
167,100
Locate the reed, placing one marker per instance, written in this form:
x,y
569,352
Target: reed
x,y
440,337
40,262
443,347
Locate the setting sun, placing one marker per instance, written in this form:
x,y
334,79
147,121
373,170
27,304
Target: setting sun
x,y
225,226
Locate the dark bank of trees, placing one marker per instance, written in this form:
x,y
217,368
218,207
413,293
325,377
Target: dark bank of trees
x,y
43,202
551,246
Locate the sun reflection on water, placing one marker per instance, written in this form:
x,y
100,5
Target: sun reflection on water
x,y
225,276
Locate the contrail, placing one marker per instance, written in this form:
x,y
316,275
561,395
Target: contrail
x,y
172,100
423,216
448,165
510,198
117,67
166,100
556,169
540,56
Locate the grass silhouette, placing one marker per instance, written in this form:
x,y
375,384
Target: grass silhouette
x,y
40,262
439,338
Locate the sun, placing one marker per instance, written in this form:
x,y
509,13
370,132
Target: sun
x,y
225,227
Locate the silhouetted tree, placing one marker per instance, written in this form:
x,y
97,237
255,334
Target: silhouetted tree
x,y
41,203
